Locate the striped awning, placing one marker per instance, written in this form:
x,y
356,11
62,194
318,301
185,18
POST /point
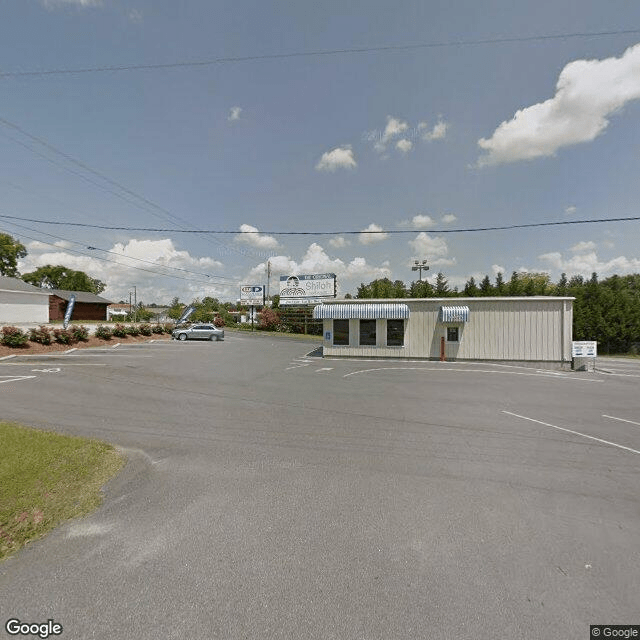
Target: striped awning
x,y
370,311
454,314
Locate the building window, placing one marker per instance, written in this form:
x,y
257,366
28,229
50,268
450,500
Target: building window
x,y
341,333
395,333
367,333
453,334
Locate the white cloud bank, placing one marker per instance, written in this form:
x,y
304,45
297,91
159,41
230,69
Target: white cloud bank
x,y
431,248
587,93
585,261
316,260
338,158
249,235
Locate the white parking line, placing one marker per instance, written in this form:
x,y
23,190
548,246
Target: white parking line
x,y
531,372
621,420
575,433
15,378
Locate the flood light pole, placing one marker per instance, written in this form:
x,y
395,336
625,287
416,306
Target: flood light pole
x,y
419,265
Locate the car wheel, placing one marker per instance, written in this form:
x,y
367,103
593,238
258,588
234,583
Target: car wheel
x,y
182,336
212,337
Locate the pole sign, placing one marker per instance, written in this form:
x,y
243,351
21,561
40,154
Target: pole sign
x,y
252,294
69,311
185,314
307,289
584,349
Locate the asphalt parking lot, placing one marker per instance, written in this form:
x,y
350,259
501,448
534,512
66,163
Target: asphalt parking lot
x,y
274,494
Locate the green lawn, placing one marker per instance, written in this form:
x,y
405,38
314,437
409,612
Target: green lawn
x,y
47,478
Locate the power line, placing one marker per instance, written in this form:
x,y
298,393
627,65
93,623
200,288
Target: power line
x,y
323,52
509,227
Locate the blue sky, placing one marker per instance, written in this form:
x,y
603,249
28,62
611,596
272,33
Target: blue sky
x,y
423,140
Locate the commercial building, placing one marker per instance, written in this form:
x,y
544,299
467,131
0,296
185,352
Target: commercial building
x,y
88,306
22,302
536,329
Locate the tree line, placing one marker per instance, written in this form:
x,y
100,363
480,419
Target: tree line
x,y
604,310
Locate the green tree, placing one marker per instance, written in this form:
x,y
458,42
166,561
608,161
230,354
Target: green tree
x,y
61,277
442,286
10,251
485,287
500,287
470,288
175,309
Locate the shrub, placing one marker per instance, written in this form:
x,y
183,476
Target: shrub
x,y
41,335
218,321
79,333
62,336
269,320
157,328
145,329
13,337
168,327
133,330
103,332
119,331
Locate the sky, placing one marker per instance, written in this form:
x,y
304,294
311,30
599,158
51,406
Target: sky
x,y
508,113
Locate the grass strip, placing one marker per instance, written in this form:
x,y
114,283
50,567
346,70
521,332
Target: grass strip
x,y
47,478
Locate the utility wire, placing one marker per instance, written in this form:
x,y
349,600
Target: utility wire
x,y
528,225
323,52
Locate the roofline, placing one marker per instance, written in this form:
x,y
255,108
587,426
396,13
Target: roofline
x,y
30,293
453,300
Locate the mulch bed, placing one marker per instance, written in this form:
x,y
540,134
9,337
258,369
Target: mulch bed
x,y
34,348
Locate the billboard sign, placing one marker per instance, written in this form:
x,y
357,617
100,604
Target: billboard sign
x,y
307,289
69,311
252,294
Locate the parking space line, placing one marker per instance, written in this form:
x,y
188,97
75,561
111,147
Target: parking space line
x,y
16,378
621,420
531,372
575,433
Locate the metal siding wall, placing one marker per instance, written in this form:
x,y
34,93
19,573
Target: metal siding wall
x,y
23,307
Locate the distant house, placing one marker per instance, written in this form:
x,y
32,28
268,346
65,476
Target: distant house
x,y
88,306
22,302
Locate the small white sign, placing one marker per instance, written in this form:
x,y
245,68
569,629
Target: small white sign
x,y
584,349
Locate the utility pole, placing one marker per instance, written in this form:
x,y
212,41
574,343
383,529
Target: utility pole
x,y
135,304
268,278
419,265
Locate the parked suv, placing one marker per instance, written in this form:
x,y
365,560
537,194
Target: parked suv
x,y
198,332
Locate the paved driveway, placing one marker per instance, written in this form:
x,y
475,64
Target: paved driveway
x,y
271,494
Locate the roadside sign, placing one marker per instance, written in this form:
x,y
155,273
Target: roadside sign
x,y
252,294
69,311
584,349
307,289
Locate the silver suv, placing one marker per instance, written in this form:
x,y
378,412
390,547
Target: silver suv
x,y
198,332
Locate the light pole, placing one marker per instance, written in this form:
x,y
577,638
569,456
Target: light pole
x,y
419,265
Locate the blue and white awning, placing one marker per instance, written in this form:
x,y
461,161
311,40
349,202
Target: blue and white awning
x,y
454,314
368,311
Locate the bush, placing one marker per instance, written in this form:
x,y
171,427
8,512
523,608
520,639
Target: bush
x,y
218,321
41,335
133,330
103,332
13,337
145,329
119,331
157,328
168,327
269,320
62,336
79,333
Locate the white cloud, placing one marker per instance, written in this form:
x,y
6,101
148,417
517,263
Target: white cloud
x,y
234,114
433,249
583,246
250,235
135,16
339,242
448,218
366,237
121,273
394,128
570,210
496,268
404,145
338,158
419,221
438,132
53,4
586,263
316,260
587,93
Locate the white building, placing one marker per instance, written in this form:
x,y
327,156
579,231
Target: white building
x,y
21,302
529,329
